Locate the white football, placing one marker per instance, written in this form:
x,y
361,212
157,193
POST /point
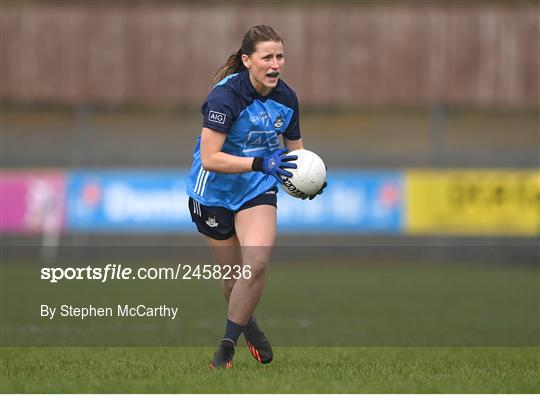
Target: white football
x,y
309,176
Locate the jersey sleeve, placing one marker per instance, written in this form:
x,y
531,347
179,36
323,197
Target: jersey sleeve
x,y
293,130
220,109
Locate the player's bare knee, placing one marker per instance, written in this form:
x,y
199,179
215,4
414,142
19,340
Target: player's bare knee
x,y
257,267
227,286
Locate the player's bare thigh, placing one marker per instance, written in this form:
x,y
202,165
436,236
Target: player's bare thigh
x,y
256,231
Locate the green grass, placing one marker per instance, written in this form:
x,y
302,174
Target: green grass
x,y
295,370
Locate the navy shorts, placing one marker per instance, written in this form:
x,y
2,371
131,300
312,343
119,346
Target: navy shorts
x,y
218,222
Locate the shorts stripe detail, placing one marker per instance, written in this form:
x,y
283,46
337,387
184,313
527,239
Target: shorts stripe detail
x,y
203,187
196,207
198,179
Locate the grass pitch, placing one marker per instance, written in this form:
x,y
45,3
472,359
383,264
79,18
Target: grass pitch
x,y
295,369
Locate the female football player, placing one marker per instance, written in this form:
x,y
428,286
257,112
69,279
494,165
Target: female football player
x,y
237,163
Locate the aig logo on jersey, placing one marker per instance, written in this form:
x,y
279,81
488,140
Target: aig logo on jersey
x,y
216,117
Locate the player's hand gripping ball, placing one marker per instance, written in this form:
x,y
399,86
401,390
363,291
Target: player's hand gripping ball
x,y
308,179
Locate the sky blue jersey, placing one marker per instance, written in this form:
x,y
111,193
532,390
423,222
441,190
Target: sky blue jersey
x,y
253,124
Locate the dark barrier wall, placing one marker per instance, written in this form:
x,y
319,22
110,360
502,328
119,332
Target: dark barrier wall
x,y
484,54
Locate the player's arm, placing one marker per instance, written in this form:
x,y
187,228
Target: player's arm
x,y
293,144
214,160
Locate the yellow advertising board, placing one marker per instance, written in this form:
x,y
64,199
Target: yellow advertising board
x,y
473,202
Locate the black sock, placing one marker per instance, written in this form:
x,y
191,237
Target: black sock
x,y
233,331
250,322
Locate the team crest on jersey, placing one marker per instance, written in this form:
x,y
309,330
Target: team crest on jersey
x,y
212,222
217,117
278,123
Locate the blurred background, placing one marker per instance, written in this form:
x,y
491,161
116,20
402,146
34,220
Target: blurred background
x,y
426,113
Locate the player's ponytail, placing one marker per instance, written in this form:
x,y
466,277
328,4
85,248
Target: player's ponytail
x,y
252,37
233,64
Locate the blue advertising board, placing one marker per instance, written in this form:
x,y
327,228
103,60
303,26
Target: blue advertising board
x,y
155,201
354,201
127,201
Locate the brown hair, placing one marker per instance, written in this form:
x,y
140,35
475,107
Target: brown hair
x,y
252,37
